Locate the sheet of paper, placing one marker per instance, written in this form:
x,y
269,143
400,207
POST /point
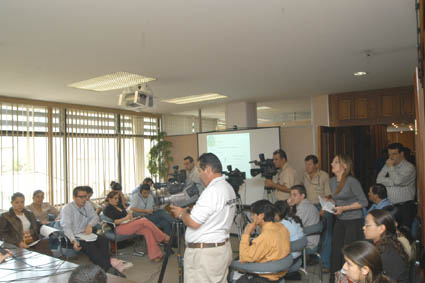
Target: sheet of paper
x,y
34,243
327,205
45,230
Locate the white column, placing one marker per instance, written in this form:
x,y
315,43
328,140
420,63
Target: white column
x,y
241,114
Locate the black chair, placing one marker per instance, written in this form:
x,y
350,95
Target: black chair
x,y
270,267
297,264
111,235
315,229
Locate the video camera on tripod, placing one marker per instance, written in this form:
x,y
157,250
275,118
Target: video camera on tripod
x,y
267,169
187,197
176,183
179,193
235,178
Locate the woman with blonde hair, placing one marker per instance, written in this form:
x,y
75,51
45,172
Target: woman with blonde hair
x,y
363,263
349,199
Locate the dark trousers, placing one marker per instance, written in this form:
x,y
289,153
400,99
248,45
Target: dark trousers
x,y
162,220
249,278
406,213
98,252
42,247
345,232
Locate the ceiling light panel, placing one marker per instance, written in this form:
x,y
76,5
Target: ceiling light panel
x,y
113,81
194,98
359,74
263,108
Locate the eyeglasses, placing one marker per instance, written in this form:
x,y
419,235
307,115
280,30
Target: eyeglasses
x,y
368,225
82,197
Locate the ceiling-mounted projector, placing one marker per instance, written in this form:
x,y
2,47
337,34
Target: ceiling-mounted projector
x,y
137,100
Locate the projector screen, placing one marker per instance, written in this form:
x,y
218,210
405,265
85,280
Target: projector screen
x,y
237,148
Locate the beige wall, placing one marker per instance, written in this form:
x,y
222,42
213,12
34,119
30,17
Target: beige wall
x,y
297,143
183,146
320,110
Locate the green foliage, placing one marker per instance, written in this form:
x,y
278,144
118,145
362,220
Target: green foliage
x,y
160,156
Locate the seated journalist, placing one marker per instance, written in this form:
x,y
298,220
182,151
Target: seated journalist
x,y
272,244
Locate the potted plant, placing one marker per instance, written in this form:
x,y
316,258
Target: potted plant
x,y
160,156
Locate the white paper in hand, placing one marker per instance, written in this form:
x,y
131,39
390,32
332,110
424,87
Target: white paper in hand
x,y
88,238
34,243
327,205
45,230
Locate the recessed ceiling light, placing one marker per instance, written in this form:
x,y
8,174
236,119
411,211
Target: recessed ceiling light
x,y
263,108
194,98
113,81
359,74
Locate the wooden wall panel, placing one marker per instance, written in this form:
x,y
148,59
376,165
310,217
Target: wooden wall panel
x,y
372,107
387,105
344,106
360,108
405,138
420,148
183,146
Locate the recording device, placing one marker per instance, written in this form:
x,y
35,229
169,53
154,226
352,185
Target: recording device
x,y
178,176
267,169
235,178
188,196
176,183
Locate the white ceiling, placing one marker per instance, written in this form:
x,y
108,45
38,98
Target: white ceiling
x,y
248,50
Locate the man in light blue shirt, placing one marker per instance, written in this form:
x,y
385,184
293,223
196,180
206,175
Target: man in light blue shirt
x,y
378,195
79,217
136,190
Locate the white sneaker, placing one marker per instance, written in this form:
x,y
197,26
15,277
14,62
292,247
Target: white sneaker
x,y
127,265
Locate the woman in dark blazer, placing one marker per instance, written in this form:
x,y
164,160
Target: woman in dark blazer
x,y
19,226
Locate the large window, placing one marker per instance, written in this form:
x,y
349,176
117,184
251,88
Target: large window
x,y
56,149
23,154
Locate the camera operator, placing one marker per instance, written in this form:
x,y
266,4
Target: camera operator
x,y
208,253
192,173
285,178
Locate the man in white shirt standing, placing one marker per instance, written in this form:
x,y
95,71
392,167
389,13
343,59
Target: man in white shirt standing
x,y
208,253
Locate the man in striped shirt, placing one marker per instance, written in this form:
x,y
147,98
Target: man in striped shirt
x,y
399,177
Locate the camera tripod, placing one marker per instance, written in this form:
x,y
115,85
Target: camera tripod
x,y
243,219
269,194
176,234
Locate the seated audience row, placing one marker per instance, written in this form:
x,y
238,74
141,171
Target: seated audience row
x,y
20,227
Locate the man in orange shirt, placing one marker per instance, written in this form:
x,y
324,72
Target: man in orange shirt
x,y
272,243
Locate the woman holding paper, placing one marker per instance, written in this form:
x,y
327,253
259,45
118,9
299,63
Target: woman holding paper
x,y
349,199
19,226
126,225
